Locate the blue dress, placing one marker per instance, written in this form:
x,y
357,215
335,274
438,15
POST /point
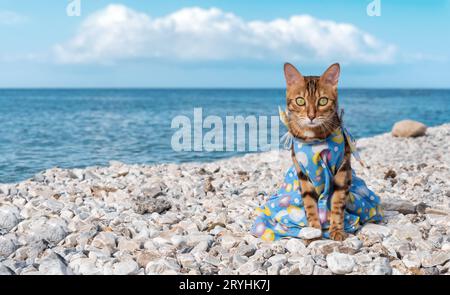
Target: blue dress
x,y
284,216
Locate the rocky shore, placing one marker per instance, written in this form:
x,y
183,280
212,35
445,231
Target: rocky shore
x,y
195,218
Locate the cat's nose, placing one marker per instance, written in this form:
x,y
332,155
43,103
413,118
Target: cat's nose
x,y
311,117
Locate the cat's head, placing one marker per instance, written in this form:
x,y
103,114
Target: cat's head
x,y
312,102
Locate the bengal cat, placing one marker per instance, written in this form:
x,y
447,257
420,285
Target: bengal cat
x,y
312,102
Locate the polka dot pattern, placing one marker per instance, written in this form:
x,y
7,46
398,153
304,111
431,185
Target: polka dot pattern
x,y
284,214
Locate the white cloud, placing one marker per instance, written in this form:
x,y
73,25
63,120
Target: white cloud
x,y
10,18
195,34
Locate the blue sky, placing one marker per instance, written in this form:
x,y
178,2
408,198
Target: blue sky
x,y
229,43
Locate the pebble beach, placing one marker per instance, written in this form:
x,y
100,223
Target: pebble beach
x,y
195,218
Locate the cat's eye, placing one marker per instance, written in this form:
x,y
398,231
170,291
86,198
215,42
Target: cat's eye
x,y
300,101
323,101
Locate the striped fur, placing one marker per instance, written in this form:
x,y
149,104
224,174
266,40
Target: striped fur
x,y
313,121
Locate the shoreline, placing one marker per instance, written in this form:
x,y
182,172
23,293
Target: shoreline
x,y
151,164
194,218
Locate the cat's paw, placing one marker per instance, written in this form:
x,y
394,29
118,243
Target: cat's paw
x,y
338,235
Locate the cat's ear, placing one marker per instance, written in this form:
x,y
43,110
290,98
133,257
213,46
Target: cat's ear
x,y
331,75
292,75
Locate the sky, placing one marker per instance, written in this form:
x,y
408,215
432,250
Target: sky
x,y
229,43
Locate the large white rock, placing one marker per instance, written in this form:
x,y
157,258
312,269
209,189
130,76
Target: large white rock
x,y
408,128
104,240
162,265
187,260
229,241
340,263
436,258
7,245
85,266
309,233
126,267
278,259
9,217
380,266
54,266
353,243
246,250
306,265
411,260
372,229
407,232
127,245
320,271
249,267
324,247
4,271
295,246
274,269
52,229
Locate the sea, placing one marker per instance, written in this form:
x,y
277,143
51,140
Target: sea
x,y
75,128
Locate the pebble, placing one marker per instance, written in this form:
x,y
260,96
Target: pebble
x,y
127,267
145,257
246,250
401,206
409,128
362,259
105,240
128,245
9,217
239,260
248,267
321,271
228,241
309,233
323,247
274,269
4,270
340,263
158,219
407,232
145,205
7,245
187,261
436,258
372,229
278,259
85,266
306,265
446,246
380,266
295,246
412,260
54,266
353,243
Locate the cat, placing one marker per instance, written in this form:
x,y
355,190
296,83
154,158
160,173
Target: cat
x,y
320,189
312,102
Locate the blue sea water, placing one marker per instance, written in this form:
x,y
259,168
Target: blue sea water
x,y
43,128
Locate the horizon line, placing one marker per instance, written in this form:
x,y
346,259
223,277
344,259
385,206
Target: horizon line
x,y
211,88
